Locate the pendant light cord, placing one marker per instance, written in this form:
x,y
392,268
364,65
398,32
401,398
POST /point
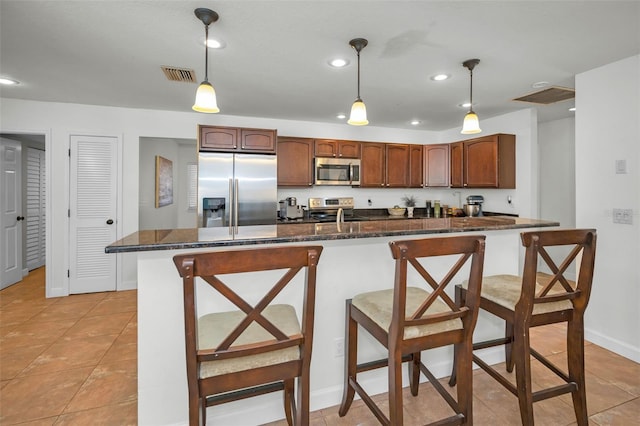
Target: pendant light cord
x,y
206,53
358,52
471,91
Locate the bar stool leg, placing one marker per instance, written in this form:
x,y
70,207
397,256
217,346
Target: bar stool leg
x,y
289,407
350,361
395,386
522,360
459,301
508,347
575,355
414,373
464,374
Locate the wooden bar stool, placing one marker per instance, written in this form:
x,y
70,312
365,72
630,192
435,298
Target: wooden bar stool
x,y
537,299
407,320
256,349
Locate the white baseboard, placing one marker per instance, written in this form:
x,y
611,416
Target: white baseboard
x,y
128,285
614,345
25,272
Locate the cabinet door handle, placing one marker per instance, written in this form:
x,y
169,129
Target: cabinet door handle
x,y
19,218
109,221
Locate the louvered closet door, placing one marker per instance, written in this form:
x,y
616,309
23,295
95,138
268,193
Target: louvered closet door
x,y
35,242
93,224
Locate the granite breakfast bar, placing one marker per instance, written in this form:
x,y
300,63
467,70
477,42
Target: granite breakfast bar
x,y
356,258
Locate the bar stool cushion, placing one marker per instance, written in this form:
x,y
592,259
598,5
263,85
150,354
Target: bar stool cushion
x,y
505,291
212,328
378,305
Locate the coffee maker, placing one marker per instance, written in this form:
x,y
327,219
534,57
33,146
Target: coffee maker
x,y
289,209
476,200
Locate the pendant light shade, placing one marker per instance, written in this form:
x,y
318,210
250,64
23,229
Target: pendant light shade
x,y
471,124
358,115
206,95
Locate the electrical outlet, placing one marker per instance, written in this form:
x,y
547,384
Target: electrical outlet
x,y
623,216
338,347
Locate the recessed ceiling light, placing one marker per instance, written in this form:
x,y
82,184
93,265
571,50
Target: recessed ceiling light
x,y
540,84
215,44
572,109
415,122
341,116
440,77
8,81
339,63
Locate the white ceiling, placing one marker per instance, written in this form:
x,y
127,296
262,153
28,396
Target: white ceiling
x,y
275,63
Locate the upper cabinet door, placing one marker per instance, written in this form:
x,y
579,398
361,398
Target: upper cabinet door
x,y
416,166
397,169
348,149
481,165
233,139
436,160
295,162
218,138
326,148
455,153
258,141
372,165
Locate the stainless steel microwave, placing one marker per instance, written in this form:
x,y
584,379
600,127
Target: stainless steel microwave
x,y
337,171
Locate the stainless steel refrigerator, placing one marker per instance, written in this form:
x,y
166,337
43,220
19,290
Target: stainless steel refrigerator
x,y
236,190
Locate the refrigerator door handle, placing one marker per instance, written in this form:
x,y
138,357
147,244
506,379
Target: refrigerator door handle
x,y
231,206
236,207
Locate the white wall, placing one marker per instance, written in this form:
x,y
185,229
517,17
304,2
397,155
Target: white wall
x,y
608,129
175,215
556,150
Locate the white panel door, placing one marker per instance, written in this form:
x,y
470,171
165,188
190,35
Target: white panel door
x,y
10,212
92,213
35,177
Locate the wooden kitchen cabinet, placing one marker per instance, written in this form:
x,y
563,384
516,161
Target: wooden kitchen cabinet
x,y
337,148
416,166
384,165
436,165
372,165
485,162
397,167
236,139
295,161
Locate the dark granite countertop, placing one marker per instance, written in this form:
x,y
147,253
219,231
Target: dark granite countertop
x,y
175,239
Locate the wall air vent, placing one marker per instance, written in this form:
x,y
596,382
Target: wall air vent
x,y
549,95
179,74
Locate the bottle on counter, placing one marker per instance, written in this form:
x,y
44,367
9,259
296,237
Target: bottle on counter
x,y
436,208
428,209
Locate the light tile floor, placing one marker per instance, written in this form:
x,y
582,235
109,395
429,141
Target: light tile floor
x,y
72,361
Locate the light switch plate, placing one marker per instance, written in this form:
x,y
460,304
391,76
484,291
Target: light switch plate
x,y
623,216
621,167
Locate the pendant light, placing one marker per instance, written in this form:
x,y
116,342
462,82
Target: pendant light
x,y
358,115
206,95
471,124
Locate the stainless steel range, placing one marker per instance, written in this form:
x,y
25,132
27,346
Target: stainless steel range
x,y
326,209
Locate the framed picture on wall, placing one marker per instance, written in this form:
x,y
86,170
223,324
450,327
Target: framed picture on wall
x,y
164,182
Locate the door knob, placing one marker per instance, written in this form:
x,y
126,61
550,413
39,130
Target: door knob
x,y
110,222
20,218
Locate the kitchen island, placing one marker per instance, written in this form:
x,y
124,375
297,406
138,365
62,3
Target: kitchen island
x,y
356,258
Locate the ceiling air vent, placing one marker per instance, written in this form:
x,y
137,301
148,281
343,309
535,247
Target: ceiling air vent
x,y
550,95
179,74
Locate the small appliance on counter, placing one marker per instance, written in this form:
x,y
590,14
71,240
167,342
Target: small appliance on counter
x,y
289,209
474,205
